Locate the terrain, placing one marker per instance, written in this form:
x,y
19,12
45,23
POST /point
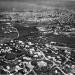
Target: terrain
x,y
38,41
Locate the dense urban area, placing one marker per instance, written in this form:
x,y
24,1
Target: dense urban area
x,y
37,42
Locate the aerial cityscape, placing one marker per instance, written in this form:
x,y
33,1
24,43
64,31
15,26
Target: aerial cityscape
x,y
37,37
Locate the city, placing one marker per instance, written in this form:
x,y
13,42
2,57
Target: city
x,y
37,42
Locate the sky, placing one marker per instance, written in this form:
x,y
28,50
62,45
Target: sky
x,y
35,3
36,0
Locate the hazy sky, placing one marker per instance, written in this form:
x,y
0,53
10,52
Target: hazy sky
x,y
35,3
37,0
